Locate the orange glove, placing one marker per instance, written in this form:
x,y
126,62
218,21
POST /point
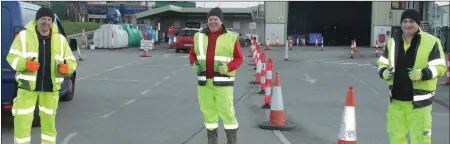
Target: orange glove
x,y
32,66
63,68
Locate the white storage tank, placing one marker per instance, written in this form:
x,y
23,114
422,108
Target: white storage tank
x,y
110,36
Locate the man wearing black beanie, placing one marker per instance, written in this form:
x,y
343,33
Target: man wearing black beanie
x,y
39,79
411,65
215,56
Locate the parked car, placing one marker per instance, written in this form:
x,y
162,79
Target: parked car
x,y
15,15
243,40
185,37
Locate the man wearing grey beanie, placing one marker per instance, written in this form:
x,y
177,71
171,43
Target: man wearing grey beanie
x,y
411,65
215,56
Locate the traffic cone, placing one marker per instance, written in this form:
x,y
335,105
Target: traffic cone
x,y
376,49
317,43
303,42
347,132
278,43
354,45
268,89
297,42
252,49
263,74
277,115
145,53
351,49
258,73
267,45
448,68
321,49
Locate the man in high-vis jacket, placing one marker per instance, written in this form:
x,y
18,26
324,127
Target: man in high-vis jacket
x,y
215,57
411,64
41,57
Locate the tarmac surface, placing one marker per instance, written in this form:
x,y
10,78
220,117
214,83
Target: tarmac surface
x,y
121,97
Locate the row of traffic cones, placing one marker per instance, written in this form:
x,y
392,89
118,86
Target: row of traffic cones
x,y
273,100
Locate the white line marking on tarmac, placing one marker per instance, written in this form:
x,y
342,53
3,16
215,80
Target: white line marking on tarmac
x,y
277,133
157,83
374,91
167,77
442,114
116,80
281,137
69,137
185,56
130,101
174,72
146,91
131,62
108,114
163,66
101,72
114,68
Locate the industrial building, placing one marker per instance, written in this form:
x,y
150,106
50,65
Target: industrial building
x,y
339,22
239,19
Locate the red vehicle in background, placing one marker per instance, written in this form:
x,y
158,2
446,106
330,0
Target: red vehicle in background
x,y
185,37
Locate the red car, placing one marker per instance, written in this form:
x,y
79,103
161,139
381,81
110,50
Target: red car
x,y
185,37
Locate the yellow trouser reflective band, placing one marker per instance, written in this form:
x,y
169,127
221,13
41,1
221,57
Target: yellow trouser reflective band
x,y
45,110
233,126
47,137
22,111
22,140
209,126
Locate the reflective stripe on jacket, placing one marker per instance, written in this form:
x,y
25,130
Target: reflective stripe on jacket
x,y
26,46
224,52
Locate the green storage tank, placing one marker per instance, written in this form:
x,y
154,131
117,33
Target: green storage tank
x,y
134,37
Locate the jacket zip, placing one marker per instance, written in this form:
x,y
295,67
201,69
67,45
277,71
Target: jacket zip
x,y
43,68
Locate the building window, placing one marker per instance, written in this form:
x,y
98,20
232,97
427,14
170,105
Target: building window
x,y
400,5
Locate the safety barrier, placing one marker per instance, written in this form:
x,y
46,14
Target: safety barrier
x,y
79,37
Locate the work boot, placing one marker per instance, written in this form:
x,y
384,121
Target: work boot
x,y
212,136
231,136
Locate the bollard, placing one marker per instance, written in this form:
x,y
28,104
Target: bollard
x,y
286,51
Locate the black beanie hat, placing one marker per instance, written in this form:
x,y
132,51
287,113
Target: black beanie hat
x,y
215,12
45,11
412,14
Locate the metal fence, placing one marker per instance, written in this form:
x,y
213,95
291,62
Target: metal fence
x,y
79,37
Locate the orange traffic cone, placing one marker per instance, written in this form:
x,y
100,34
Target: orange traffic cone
x,y
263,74
376,49
321,49
277,116
145,53
278,43
267,45
351,49
317,44
347,132
268,90
258,72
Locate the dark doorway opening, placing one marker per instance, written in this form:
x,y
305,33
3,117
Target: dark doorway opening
x,y
339,21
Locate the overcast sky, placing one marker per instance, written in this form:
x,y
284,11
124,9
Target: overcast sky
x,y
250,4
227,4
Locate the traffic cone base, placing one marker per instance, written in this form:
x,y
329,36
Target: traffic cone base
x,y
277,114
145,53
268,126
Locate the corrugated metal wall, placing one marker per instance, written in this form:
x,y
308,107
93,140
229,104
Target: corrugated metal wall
x,y
276,12
383,15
